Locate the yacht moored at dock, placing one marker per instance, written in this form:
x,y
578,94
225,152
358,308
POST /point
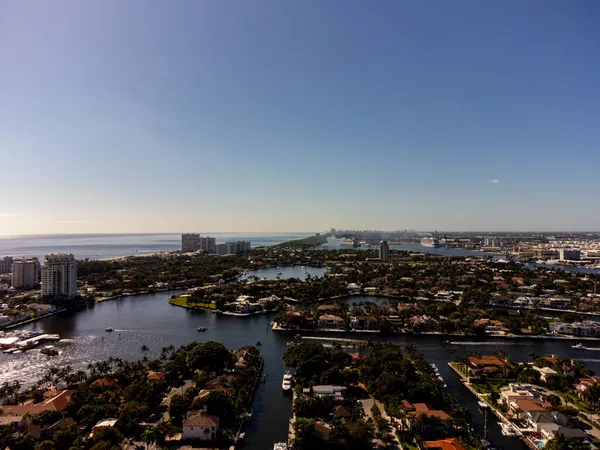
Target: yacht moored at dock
x,y
286,385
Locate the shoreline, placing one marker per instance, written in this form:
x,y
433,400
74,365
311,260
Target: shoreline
x,y
276,327
35,319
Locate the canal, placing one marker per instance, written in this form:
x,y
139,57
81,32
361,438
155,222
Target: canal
x,y
150,320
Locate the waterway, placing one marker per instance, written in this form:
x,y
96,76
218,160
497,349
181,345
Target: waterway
x,y
286,272
150,320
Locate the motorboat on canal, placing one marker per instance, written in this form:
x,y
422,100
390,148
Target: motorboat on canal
x,y
507,429
578,346
202,329
286,385
280,446
482,404
109,329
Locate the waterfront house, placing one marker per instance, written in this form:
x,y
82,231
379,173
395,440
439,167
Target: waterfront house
x,y
364,323
517,391
412,420
490,366
328,390
444,444
331,322
354,289
525,302
586,328
58,401
561,328
555,303
328,309
522,406
200,426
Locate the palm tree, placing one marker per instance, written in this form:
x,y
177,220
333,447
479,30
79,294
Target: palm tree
x,y
144,349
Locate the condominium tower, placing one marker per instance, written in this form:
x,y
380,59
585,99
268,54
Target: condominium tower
x,y
384,251
59,276
25,273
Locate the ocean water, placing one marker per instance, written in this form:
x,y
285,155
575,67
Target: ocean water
x,y
100,246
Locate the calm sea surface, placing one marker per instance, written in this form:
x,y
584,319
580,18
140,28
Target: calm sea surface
x,y
99,246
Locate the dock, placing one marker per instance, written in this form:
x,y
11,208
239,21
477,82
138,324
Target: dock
x,y
32,342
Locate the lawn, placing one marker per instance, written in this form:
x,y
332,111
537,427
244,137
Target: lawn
x,y
184,301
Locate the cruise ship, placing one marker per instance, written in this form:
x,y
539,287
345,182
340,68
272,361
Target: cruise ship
x,y
349,241
430,242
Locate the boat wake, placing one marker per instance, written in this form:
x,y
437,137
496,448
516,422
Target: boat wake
x,y
503,343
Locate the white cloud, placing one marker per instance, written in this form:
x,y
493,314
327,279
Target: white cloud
x,y
494,180
8,215
72,221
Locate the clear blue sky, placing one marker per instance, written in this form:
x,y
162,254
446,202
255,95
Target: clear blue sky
x,y
290,116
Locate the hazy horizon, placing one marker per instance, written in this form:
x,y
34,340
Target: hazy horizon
x,y
132,117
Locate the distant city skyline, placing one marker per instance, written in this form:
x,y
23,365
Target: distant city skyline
x,y
269,116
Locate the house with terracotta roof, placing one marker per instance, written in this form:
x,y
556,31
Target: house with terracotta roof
x,y
58,402
104,382
330,321
518,391
521,406
200,426
490,366
584,384
156,376
444,444
413,420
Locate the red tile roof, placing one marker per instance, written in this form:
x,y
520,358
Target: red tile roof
x,y
445,444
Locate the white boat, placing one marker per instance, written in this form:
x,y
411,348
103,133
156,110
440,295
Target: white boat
x,y
280,446
507,429
430,242
302,267
286,385
578,346
482,404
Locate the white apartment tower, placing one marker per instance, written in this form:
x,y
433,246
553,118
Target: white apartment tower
x,y
25,273
59,276
384,251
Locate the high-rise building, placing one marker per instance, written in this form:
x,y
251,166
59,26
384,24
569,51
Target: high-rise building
x,y
567,254
208,244
384,251
190,242
222,249
59,276
25,273
490,241
6,264
234,248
